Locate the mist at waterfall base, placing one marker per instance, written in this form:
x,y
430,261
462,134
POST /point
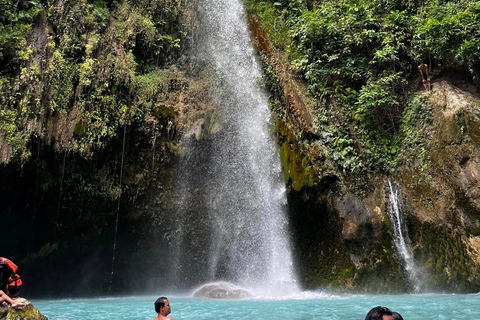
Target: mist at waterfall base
x,y
231,222
303,306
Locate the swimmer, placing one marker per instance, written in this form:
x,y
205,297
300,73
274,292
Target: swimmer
x,y
379,313
162,307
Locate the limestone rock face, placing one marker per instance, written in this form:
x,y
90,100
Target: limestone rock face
x,y
221,290
28,312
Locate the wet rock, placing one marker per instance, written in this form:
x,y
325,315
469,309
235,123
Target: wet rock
x,y
28,312
221,290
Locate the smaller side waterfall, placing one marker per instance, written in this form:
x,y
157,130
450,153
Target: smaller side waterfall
x,y
400,235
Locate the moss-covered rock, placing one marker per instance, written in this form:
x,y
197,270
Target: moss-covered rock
x,y
320,252
298,171
28,312
444,259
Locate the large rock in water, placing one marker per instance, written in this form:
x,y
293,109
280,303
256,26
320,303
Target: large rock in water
x,y
221,290
28,312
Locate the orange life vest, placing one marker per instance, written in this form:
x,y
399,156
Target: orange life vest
x,y
10,275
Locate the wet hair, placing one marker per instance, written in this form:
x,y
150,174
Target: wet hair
x,y
377,313
396,316
13,290
160,303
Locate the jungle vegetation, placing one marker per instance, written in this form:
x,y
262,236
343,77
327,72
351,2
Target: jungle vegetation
x,y
102,64
372,119
105,61
360,58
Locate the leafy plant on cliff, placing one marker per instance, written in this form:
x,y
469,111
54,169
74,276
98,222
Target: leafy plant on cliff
x,y
448,33
361,57
78,60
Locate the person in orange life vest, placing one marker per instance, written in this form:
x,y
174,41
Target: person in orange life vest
x,y
9,282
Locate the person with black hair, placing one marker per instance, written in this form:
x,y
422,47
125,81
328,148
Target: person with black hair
x,y
379,313
162,307
9,282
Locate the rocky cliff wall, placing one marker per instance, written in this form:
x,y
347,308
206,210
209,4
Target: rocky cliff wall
x,y
94,107
343,237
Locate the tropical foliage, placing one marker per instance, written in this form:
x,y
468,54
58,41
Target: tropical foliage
x,y
81,62
362,56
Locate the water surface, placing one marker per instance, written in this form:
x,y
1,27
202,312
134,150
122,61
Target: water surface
x,y
303,306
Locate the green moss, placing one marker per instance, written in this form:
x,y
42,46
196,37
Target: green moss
x,y
101,68
163,111
443,257
381,271
297,170
461,121
60,77
80,128
26,313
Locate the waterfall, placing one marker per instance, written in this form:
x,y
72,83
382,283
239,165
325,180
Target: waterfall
x,y
400,235
232,222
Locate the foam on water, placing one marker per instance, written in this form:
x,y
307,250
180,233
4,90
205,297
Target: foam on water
x,y
305,295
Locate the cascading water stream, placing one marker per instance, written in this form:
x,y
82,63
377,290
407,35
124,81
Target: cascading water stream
x,y
232,223
400,235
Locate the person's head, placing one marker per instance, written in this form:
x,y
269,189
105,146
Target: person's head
x,y
396,316
12,291
162,306
379,313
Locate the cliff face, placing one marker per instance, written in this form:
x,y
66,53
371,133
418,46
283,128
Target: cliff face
x,y
96,97
342,231
446,199
92,113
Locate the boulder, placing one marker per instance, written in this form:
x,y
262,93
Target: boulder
x,y
28,312
221,290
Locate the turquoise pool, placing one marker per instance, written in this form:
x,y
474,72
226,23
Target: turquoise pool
x,y
306,305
